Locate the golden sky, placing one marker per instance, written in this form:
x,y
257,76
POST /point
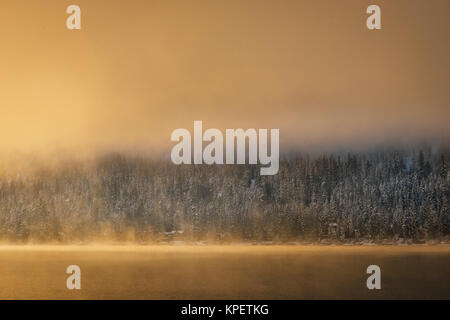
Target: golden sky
x,y
137,70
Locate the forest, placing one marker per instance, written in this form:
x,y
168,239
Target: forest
x,y
388,195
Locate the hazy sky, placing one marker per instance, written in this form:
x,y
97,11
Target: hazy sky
x,y
140,69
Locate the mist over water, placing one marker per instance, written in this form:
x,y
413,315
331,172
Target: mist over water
x,y
85,173
224,272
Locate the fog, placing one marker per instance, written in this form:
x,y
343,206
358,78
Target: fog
x,y
224,272
137,71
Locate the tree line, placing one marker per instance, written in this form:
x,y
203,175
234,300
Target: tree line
x,y
386,195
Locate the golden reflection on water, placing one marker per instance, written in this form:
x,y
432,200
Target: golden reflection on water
x,y
223,271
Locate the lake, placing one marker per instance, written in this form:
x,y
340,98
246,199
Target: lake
x,y
224,271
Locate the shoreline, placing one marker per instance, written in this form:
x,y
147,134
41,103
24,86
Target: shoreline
x,y
222,247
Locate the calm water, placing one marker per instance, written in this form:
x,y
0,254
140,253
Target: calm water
x,y
224,272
